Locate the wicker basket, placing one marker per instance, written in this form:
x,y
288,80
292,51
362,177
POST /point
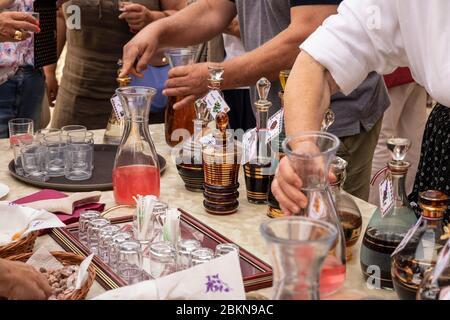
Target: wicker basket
x,y
22,245
66,259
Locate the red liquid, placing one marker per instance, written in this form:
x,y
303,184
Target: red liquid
x,y
24,138
129,181
332,276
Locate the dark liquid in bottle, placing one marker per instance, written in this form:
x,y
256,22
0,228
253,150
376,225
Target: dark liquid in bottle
x,y
178,119
376,250
351,224
257,181
274,210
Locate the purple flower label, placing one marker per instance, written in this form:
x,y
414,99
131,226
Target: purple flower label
x,y
214,284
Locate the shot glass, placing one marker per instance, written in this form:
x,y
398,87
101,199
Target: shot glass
x,y
105,238
129,264
184,250
79,159
93,233
42,133
113,252
20,127
55,160
162,259
85,217
33,162
20,142
201,255
71,128
36,15
224,248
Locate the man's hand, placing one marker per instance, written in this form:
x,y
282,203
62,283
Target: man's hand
x,y
11,21
20,281
190,81
137,16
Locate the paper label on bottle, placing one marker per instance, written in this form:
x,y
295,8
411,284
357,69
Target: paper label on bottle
x,y
215,103
445,293
386,196
249,145
207,140
317,207
442,261
275,124
117,107
407,237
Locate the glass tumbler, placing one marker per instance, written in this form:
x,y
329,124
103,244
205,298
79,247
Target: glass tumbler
x,y
184,250
201,255
129,264
93,233
42,133
55,159
113,252
224,248
105,238
20,127
162,259
19,143
72,128
79,158
33,162
85,217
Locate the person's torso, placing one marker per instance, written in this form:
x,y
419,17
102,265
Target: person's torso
x,y
95,45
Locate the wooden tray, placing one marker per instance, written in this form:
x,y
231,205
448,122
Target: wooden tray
x,y
256,273
101,180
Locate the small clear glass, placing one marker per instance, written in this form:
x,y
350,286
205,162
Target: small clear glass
x,y
71,128
184,250
105,238
79,158
20,142
129,264
20,127
33,162
85,217
116,240
201,255
42,133
55,159
36,15
224,248
93,233
162,259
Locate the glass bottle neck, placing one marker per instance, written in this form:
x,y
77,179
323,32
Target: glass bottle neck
x,y
263,148
399,189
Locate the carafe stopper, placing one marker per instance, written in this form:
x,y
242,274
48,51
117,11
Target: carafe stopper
x,y
263,87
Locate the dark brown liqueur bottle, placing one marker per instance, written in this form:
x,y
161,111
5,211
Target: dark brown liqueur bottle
x,y
259,170
418,253
385,232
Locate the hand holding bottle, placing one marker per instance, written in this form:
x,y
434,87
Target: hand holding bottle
x,y
14,26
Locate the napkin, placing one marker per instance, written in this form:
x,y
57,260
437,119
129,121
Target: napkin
x,y
67,217
218,279
17,220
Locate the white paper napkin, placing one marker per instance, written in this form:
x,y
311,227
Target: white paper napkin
x,y
218,279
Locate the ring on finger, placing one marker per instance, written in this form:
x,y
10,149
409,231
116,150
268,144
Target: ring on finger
x,y
18,35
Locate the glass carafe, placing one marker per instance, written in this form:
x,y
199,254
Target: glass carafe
x,y
189,160
436,281
136,166
310,154
258,170
114,129
384,232
298,247
419,252
179,123
347,210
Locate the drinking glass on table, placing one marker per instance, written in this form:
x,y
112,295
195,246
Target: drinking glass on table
x,y
85,217
20,128
55,160
224,248
201,255
42,133
72,128
105,238
113,252
79,156
33,161
93,233
162,259
129,263
19,143
184,250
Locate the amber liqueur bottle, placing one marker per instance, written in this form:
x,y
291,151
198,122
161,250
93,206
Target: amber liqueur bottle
x,y
385,231
189,161
273,208
221,162
420,250
114,129
258,171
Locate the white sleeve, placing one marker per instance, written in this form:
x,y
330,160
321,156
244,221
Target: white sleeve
x,y
363,37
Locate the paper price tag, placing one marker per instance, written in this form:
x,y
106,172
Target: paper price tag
x,y
249,145
407,237
207,140
215,103
445,293
317,207
275,124
117,107
442,261
386,196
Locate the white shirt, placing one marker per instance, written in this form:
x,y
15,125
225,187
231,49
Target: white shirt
x,y
380,35
233,48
